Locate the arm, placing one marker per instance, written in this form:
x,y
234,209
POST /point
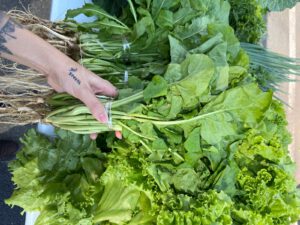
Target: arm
x,y
63,74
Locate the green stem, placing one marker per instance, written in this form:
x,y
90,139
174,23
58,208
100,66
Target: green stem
x,y
134,132
146,146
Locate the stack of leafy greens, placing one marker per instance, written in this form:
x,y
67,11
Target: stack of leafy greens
x,y
248,19
138,41
202,142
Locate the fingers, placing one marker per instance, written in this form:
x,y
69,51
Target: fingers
x,y
93,136
95,107
102,86
118,135
98,111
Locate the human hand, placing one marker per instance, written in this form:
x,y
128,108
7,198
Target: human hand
x,y
81,83
63,74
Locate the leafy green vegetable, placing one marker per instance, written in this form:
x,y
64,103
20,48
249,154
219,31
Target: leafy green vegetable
x,y
202,142
275,68
247,19
244,177
114,7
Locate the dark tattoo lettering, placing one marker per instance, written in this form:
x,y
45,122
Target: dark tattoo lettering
x,y
72,72
6,33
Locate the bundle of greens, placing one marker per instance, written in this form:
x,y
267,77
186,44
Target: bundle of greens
x,y
137,42
269,68
203,143
134,51
247,19
205,59
208,176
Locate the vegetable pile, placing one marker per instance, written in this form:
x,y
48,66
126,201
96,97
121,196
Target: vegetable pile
x,y
202,143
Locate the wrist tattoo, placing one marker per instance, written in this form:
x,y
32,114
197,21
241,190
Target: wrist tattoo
x,y
72,74
6,33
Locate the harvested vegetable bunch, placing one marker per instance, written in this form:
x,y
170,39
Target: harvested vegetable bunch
x,y
72,182
206,59
247,19
202,142
55,33
19,105
138,40
270,68
208,176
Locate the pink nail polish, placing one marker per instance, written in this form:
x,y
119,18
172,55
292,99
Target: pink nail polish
x,y
93,136
118,135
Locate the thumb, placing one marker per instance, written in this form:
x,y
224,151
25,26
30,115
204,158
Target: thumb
x,y
96,108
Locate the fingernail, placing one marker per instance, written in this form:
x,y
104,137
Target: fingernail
x,y
103,117
118,135
93,136
116,92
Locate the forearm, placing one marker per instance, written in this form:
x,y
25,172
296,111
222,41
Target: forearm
x,y
63,74
20,45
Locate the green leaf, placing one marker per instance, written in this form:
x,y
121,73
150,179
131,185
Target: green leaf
x,y
227,180
177,50
117,203
192,144
233,45
173,73
114,7
158,5
208,45
165,19
156,88
48,159
220,9
145,25
218,54
161,176
222,78
215,156
198,71
175,107
93,169
245,104
93,10
183,15
198,26
185,179
132,10
217,127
